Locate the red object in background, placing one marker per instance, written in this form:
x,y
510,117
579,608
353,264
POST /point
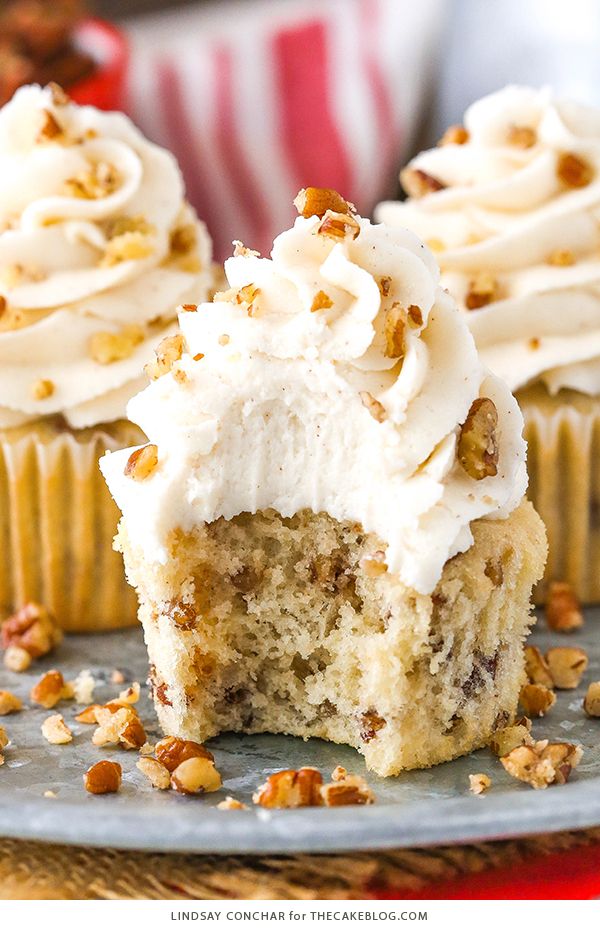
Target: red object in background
x,y
573,875
105,87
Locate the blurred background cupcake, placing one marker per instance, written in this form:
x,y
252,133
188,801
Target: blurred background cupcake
x,y
97,249
43,41
510,203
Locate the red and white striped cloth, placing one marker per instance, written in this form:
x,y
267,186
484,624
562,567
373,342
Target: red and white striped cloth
x,y
260,98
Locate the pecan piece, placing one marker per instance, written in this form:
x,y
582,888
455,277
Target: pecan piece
x,y
455,135
479,783
339,226
574,171
50,689
563,610
536,700
483,290
167,353
172,751
478,443
56,731
142,462
196,775
567,665
350,790
103,777
418,183
317,201
291,788
542,763
32,628
394,326
536,667
156,773
591,701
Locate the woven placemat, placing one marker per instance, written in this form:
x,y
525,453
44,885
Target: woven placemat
x,y
40,871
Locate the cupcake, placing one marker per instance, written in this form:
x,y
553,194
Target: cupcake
x,y
97,246
327,531
510,203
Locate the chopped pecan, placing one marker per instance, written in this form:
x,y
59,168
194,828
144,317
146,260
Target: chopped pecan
x,y
184,239
508,738
317,201
375,408
394,326
561,257
103,777
195,775
339,226
50,129
321,301
455,135
522,137
50,689
591,701
32,628
418,183
156,773
573,170
567,665
483,290
17,659
142,462
107,348
350,790
56,731
42,389
291,788
9,703
563,610
536,700
172,751
167,353
536,667
478,443
370,725
118,726
542,763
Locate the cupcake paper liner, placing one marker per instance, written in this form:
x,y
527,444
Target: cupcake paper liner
x,y
57,523
563,436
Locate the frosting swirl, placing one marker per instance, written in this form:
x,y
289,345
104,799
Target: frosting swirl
x,y
334,376
97,246
511,205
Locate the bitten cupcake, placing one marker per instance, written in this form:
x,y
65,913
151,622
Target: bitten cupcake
x,y
97,246
511,205
327,530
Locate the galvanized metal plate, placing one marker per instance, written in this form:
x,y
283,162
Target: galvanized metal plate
x,y
414,809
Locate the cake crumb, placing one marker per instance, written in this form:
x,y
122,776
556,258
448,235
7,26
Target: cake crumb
x,y
231,804
479,783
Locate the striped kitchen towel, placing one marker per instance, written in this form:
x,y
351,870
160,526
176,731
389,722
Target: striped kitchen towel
x,y
260,98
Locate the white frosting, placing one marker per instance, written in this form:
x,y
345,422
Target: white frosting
x,y
65,293
505,211
272,416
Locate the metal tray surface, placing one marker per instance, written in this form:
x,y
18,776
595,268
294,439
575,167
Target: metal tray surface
x,y
414,809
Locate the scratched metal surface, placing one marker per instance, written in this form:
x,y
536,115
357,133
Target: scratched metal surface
x,y
416,808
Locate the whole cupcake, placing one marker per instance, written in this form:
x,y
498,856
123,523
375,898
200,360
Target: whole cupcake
x,y
97,246
511,205
327,530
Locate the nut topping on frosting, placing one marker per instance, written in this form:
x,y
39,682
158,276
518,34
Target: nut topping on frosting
x,y
417,183
339,226
50,128
142,462
478,444
394,331
317,201
168,352
321,301
42,389
523,137
355,410
106,348
574,171
454,135
482,291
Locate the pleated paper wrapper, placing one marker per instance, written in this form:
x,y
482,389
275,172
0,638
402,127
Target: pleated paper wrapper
x,y
57,524
563,435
